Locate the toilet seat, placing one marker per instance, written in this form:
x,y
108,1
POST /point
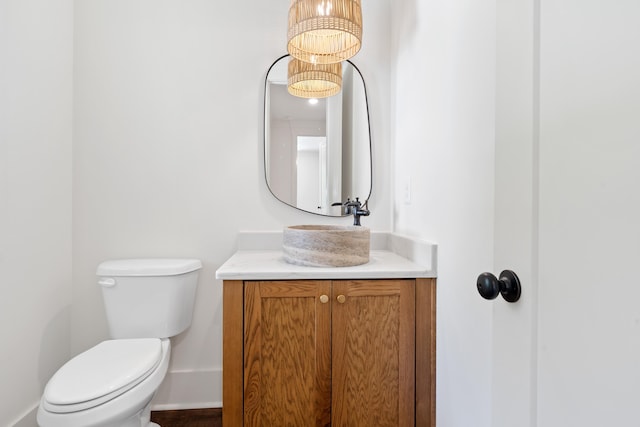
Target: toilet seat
x,y
102,373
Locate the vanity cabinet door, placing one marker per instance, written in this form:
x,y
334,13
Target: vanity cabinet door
x,y
346,353
287,353
373,353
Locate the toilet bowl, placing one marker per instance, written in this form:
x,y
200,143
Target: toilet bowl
x,y
112,384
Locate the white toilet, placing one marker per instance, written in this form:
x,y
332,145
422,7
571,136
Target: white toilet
x,y
112,384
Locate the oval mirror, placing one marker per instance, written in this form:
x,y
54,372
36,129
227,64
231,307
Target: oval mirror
x,y
317,153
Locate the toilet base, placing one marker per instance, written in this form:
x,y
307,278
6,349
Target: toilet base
x,y
145,417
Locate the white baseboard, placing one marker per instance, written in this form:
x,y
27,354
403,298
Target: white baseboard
x,y
179,390
189,390
28,419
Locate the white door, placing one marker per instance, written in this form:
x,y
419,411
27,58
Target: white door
x,y
568,213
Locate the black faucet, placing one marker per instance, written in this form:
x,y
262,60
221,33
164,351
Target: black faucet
x,y
355,208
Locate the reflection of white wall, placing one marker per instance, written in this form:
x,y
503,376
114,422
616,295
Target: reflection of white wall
x,y
356,173
361,172
309,162
282,156
308,181
334,153
267,132
347,134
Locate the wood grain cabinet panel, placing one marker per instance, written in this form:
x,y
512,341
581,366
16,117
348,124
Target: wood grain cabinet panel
x,y
345,353
287,354
373,353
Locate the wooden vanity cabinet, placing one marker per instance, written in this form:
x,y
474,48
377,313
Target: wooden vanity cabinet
x,y
329,353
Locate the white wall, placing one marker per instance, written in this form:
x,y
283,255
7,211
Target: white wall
x,y
168,151
443,83
35,199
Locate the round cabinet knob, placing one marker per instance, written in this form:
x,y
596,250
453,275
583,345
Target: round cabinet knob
x,y
341,299
324,299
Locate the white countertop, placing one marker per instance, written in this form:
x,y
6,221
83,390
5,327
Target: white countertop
x,y
259,257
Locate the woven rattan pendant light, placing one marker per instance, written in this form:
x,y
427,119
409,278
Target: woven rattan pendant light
x,y
324,31
307,80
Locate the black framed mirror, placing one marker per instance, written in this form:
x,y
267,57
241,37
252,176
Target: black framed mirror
x,y
317,153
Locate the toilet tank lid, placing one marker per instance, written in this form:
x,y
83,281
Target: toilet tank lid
x,y
148,267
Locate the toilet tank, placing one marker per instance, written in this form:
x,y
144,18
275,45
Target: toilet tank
x,y
148,298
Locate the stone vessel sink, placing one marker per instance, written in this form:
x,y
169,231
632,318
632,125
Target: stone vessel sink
x,y
326,245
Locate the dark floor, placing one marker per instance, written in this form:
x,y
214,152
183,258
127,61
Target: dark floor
x,y
188,418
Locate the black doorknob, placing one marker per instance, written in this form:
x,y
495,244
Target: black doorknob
x,y
508,285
